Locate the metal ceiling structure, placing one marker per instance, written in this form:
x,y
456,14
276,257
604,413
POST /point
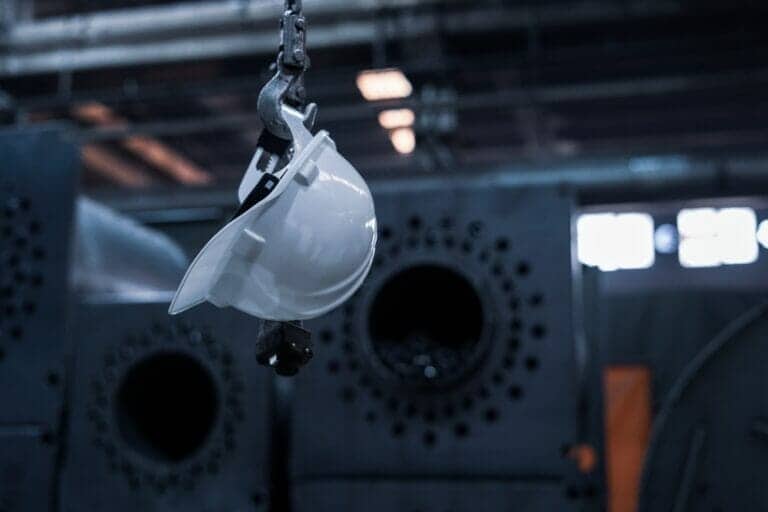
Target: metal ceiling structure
x,y
525,82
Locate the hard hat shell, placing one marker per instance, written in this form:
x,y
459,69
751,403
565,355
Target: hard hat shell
x,y
301,251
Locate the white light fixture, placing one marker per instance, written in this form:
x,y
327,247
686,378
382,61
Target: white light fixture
x,y
403,140
711,237
398,118
762,234
612,241
383,84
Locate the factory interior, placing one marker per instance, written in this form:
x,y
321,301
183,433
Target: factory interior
x,y
383,256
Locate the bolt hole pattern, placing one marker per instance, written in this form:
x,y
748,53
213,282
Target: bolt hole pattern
x,y
425,322
21,254
165,433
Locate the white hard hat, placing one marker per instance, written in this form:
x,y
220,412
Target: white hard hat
x,y
298,253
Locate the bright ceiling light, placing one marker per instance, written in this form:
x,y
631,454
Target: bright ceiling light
x,y
403,140
697,222
710,237
383,84
612,241
737,228
399,118
634,241
762,234
699,252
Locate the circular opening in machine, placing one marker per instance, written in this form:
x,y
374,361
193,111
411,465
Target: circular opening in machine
x,y
426,325
167,406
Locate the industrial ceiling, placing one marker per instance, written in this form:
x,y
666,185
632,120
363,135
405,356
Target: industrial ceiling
x,y
163,94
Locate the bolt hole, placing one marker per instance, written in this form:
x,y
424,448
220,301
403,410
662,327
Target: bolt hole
x,y
572,493
475,228
515,392
53,379
538,331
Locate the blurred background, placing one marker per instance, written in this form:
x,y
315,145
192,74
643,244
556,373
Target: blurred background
x,y
565,308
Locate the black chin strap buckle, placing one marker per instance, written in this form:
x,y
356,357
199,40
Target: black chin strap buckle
x,y
285,347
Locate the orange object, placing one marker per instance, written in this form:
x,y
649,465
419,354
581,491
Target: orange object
x,y
627,391
585,457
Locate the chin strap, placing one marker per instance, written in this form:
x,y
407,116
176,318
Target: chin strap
x,y
284,346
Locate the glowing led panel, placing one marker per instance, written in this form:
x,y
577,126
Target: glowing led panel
x,y
400,118
383,84
403,140
711,237
612,241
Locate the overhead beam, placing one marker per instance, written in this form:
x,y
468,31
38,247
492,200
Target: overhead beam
x,y
152,151
170,34
184,17
107,164
519,97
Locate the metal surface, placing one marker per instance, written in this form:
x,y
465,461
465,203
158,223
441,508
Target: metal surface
x,y
141,36
38,174
116,257
705,451
596,181
456,360
166,414
434,495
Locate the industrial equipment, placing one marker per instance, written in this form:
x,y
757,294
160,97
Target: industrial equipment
x,y
165,414
37,201
458,359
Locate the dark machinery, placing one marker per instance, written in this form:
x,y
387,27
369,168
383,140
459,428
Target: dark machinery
x,y
709,447
166,414
36,201
456,362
